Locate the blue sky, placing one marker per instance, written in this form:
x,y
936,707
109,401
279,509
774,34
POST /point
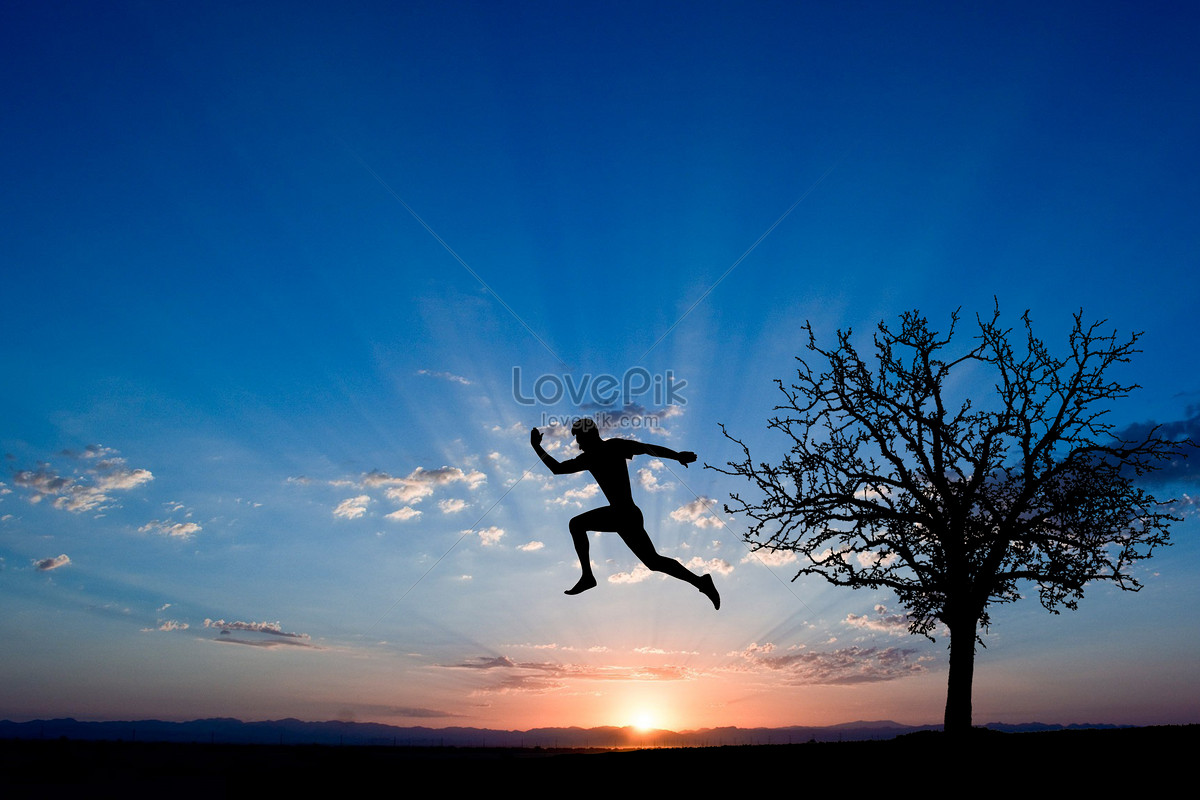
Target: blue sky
x,y
234,357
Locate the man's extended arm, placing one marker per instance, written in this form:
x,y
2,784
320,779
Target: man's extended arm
x,y
658,451
557,467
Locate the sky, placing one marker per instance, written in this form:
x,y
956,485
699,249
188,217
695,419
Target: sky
x,y
287,284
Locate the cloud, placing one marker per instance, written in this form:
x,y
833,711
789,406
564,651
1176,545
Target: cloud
x,y
484,662
167,625
420,483
717,565
648,480
270,628
263,634
446,376
90,488
452,506
869,559
530,547
638,574
177,530
771,558
404,514
630,416
1184,505
843,667
511,676
892,624
697,512
47,564
489,536
1185,467
353,507
575,497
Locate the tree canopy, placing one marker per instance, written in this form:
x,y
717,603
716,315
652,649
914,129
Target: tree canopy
x,y
896,478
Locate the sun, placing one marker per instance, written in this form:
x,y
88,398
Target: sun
x,y
643,721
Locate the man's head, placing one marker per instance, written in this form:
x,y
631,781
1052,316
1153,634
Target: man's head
x,y
585,431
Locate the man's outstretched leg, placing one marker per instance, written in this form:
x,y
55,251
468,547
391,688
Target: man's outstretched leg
x,y
639,542
579,536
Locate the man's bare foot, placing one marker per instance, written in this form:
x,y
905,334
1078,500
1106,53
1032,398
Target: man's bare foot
x,y
585,583
709,590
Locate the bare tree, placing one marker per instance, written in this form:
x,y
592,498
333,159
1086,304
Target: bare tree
x,y
894,482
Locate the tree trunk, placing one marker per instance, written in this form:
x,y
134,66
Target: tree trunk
x,y
962,672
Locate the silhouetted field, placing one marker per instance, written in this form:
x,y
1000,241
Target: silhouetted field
x,y
1084,759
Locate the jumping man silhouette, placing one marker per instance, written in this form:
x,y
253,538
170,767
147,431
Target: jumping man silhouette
x,y
605,459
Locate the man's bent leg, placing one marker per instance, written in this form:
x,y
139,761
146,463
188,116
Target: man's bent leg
x,y
579,536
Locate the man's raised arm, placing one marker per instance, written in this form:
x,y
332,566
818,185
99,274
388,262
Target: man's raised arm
x,y
557,467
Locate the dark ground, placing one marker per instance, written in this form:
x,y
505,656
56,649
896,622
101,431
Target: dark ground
x,y
1084,760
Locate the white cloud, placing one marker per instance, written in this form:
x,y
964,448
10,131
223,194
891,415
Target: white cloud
x,y
353,507
489,536
89,489
697,512
452,506
47,564
648,480
717,565
404,514
638,574
530,547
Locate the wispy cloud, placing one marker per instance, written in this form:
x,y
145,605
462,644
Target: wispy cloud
x,y
575,497
631,417
177,530
509,676
421,482
452,506
845,666
404,514
446,376
168,625
882,622
771,558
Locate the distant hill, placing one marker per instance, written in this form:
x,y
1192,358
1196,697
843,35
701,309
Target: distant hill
x,y
294,731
